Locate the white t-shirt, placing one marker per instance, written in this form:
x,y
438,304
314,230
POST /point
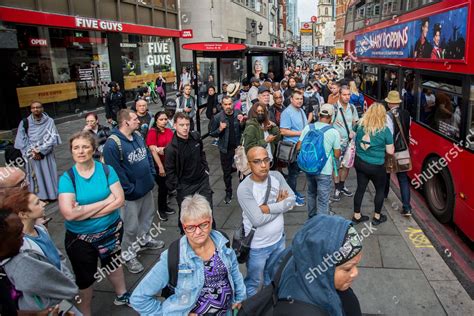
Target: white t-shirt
x,y
270,233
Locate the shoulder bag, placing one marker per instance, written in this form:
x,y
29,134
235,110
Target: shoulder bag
x,y
241,243
399,161
241,162
349,154
286,150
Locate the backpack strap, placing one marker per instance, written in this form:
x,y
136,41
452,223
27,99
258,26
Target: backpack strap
x,y
26,125
72,176
325,128
119,144
173,262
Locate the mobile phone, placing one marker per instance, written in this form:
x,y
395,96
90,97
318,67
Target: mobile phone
x,y
64,307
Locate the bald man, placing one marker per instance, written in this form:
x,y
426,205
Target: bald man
x,y
144,116
264,197
11,177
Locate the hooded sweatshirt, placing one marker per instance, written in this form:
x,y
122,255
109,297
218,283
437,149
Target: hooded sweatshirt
x,y
311,278
134,166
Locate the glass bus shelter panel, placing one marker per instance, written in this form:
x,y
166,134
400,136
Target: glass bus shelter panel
x,y
441,105
233,69
207,76
262,65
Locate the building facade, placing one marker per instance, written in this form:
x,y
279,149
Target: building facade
x,y
325,26
64,53
235,21
341,9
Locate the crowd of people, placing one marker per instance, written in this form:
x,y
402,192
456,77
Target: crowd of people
x,y
108,204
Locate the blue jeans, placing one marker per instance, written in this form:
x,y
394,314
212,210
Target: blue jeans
x,y
258,263
404,189
319,189
293,171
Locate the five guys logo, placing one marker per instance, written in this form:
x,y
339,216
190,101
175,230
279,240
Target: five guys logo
x,y
99,25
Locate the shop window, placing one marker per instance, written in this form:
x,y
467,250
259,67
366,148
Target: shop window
x,y
143,57
370,81
390,81
441,105
171,5
159,3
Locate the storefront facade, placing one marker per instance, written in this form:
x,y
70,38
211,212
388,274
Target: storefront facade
x,y
66,62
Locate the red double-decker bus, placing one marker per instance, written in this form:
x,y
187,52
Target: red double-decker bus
x,y
424,49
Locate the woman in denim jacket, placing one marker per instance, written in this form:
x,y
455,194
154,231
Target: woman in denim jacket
x,y
209,280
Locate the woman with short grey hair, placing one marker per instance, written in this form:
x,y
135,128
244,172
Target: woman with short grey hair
x,y
208,275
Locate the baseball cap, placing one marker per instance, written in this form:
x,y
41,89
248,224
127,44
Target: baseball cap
x,y
263,89
327,109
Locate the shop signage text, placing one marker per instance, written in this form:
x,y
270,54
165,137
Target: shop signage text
x,y
214,46
100,25
159,53
38,42
187,33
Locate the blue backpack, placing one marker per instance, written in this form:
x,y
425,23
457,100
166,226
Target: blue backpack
x,y
312,156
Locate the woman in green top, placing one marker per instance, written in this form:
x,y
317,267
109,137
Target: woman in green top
x,y
373,139
260,131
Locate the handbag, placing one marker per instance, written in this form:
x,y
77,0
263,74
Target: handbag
x,y
286,150
399,161
349,155
160,91
240,242
241,162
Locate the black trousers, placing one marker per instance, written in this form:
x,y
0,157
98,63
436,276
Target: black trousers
x,y
162,193
226,162
203,187
367,172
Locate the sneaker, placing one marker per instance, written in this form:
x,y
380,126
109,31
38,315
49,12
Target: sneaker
x,y
346,192
383,218
363,218
170,211
162,216
215,142
336,197
406,212
134,266
153,244
299,201
124,299
228,198
299,195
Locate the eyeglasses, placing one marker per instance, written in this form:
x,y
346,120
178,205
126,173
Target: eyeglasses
x,y
260,161
192,228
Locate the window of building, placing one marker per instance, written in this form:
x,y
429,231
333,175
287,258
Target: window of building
x,y
143,57
171,5
370,81
441,105
350,20
326,11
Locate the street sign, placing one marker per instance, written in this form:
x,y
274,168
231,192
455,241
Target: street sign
x,y
306,25
314,19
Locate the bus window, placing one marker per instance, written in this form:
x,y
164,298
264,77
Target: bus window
x,y
408,93
470,132
440,105
373,12
359,15
370,81
391,7
390,81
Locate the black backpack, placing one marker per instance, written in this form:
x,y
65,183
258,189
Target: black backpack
x,y
267,303
13,156
173,262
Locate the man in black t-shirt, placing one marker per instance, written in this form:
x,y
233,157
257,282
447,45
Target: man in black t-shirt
x,y
228,125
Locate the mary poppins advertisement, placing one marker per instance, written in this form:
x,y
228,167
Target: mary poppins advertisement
x,y
440,36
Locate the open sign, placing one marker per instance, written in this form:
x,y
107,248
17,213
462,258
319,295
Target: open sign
x,y
38,42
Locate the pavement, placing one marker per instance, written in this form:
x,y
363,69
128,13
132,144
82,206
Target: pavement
x,y
401,273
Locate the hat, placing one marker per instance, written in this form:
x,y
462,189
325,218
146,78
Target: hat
x,y
232,88
393,97
326,109
350,247
263,89
170,104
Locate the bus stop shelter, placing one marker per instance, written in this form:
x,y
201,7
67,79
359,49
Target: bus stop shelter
x,y
217,62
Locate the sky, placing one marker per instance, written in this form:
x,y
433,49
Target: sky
x,y
306,8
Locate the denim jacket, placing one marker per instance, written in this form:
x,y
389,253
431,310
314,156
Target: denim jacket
x,y
190,281
224,135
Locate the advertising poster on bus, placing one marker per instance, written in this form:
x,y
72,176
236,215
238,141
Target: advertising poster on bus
x,y
440,36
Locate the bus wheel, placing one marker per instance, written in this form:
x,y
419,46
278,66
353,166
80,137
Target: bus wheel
x,y
439,193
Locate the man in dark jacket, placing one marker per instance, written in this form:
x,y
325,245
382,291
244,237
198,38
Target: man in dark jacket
x,y
114,102
397,115
228,125
125,150
277,108
186,166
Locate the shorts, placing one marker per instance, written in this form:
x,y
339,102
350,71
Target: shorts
x,y
83,256
343,151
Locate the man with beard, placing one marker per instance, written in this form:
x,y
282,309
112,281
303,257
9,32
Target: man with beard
x,y
228,125
36,138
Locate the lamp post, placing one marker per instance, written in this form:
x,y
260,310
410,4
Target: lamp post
x,y
253,32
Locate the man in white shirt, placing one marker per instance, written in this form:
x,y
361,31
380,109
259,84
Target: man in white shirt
x,y
264,197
